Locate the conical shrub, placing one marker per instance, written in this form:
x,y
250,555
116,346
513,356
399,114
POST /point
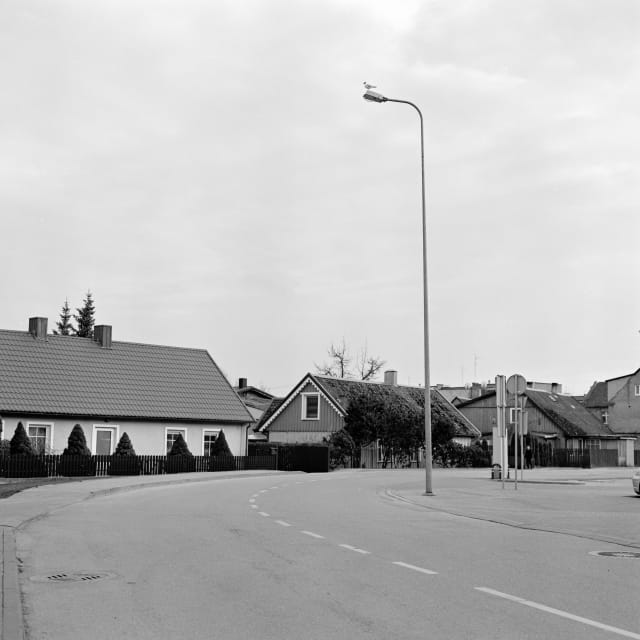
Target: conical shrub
x,y
179,447
20,444
77,443
220,446
124,446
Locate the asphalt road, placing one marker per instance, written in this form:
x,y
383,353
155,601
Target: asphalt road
x,y
343,555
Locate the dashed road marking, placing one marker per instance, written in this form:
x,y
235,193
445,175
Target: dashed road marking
x,y
254,506
414,568
264,490
263,514
348,546
559,612
283,523
313,535
252,499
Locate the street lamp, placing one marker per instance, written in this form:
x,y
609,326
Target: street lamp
x,y
374,96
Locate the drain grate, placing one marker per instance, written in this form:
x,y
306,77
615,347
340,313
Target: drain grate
x,y
616,554
77,576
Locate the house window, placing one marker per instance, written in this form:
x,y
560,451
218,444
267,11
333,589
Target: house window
x,y
636,389
594,443
310,406
172,435
605,417
38,434
105,438
208,438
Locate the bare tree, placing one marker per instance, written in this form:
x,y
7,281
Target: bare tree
x,y
340,359
368,366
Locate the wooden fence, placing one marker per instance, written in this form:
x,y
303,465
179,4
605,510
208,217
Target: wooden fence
x,y
51,466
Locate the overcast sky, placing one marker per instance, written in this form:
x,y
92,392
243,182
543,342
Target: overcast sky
x,y
211,173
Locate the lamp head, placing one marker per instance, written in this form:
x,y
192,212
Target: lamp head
x,y
373,96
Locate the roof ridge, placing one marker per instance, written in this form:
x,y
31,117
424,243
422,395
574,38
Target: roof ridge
x,y
56,336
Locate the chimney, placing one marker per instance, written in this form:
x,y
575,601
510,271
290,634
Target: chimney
x,y
102,334
242,383
391,378
38,327
556,387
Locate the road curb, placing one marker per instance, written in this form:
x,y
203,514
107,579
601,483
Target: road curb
x,y
12,624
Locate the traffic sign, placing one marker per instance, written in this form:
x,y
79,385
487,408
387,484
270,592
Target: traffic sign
x,y
516,384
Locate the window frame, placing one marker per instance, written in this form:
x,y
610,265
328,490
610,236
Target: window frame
x,y
182,430
205,432
636,389
48,439
305,405
115,428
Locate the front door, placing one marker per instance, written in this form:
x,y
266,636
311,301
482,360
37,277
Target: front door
x,y
104,442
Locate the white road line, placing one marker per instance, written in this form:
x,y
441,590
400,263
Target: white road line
x,y
255,495
283,523
313,535
276,487
262,513
414,568
254,506
264,490
252,499
348,546
562,614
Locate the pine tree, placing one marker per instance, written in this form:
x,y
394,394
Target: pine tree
x,y
124,446
220,446
85,318
20,444
179,447
64,324
77,443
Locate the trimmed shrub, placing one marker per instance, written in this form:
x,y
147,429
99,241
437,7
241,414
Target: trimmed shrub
x,y
179,458
5,447
220,446
124,446
221,457
76,443
20,444
124,462
76,459
179,447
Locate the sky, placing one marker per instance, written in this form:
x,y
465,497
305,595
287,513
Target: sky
x,y
211,173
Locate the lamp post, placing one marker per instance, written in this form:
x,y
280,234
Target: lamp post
x,y
373,96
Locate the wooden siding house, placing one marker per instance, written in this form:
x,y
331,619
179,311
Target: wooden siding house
x,y
151,392
316,407
554,420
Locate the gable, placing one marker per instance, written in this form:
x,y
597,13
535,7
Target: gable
x,y
289,410
67,375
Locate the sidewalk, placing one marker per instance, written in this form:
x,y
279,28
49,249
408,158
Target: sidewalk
x,y
577,502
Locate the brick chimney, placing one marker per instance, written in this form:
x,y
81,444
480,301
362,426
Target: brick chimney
x,y
242,383
38,327
391,377
102,334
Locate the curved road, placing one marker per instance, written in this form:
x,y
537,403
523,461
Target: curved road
x,y
312,556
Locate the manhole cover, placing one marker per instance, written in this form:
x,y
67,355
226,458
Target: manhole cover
x,y
77,576
616,554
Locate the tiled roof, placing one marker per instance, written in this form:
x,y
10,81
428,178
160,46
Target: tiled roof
x,y
65,375
268,412
568,414
597,395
